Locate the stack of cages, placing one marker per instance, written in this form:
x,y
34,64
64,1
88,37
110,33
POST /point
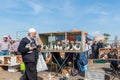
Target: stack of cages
x,y
63,41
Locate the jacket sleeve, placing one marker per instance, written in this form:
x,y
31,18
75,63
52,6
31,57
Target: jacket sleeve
x,y
22,49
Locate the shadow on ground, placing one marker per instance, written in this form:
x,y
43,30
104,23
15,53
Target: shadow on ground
x,y
108,72
23,78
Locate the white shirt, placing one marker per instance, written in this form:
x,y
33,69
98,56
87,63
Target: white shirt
x,y
88,47
4,46
15,46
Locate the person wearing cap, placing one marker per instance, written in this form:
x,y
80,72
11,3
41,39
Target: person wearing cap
x,y
4,46
29,50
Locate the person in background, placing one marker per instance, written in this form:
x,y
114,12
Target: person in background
x,y
15,46
112,45
11,46
113,55
100,45
29,50
4,46
88,47
94,50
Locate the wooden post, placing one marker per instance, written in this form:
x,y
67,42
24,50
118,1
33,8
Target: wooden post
x,y
83,40
65,37
40,41
51,41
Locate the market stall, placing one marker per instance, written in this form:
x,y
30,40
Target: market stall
x,y
62,42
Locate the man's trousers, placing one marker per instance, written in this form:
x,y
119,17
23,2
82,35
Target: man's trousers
x,y
30,72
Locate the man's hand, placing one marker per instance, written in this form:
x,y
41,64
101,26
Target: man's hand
x,y
39,49
31,48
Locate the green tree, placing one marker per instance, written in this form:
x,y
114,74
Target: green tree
x,y
106,35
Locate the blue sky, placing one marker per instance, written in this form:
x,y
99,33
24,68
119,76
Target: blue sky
x,y
94,16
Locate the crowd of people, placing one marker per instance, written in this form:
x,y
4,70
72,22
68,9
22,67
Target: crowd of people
x,y
113,45
95,48
8,46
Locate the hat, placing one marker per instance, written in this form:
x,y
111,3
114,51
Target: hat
x,y
31,30
5,36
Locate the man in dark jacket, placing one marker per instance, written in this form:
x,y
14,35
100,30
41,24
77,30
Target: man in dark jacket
x,y
100,44
29,51
94,50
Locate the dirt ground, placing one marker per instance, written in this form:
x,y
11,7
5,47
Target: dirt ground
x,y
5,75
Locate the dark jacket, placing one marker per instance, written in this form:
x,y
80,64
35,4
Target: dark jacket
x,y
27,57
94,47
100,45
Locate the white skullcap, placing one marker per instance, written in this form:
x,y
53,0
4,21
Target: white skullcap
x,y
5,36
31,30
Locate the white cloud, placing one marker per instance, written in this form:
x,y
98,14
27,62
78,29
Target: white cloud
x,y
36,7
24,7
68,9
96,33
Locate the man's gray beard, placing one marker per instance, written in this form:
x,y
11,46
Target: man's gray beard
x,y
34,37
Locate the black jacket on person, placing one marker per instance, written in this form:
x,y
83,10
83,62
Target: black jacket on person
x,y
94,47
27,57
100,45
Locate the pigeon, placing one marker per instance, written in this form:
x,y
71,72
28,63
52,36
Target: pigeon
x,y
67,47
57,47
54,47
77,47
60,47
72,47
45,47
